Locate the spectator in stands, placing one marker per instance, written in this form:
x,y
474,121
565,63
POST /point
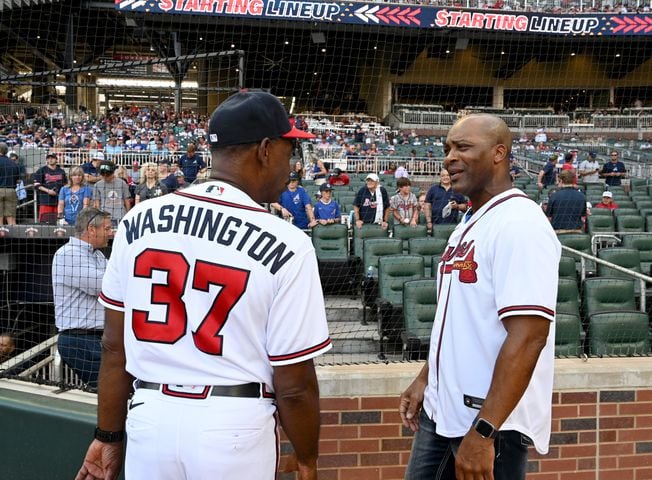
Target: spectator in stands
x,y
568,165
167,177
13,156
548,174
113,151
48,180
135,172
401,171
567,207
92,169
442,204
514,169
74,197
338,178
319,171
9,177
613,171
159,152
298,168
111,194
7,345
607,201
327,210
181,180
589,171
191,163
149,186
295,203
404,205
391,169
77,271
371,203
421,198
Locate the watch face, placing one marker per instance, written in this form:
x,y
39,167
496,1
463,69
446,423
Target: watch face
x,y
485,428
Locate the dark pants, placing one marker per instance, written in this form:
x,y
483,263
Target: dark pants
x,y
433,456
82,352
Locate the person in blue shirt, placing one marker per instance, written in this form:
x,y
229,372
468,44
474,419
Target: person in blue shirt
x,y
443,205
73,197
613,171
327,210
548,174
191,163
295,202
567,207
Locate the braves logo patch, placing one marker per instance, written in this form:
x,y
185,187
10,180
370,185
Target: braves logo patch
x,y
461,258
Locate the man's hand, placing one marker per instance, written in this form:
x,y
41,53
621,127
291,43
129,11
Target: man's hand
x,y
103,461
358,223
475,458
411,402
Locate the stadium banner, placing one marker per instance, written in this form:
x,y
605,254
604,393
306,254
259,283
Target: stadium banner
x,y
393,15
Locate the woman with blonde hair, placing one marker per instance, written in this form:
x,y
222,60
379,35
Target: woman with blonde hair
x,y
149,186
73,197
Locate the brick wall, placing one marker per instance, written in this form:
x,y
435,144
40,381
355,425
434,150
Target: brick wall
x,y
604,433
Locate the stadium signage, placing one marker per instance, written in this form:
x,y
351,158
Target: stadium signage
x,y
402,15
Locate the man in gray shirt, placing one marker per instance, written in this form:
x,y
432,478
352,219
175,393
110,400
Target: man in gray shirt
x,y
111,194
77,271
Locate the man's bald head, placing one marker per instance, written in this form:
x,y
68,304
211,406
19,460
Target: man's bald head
x,y
494,127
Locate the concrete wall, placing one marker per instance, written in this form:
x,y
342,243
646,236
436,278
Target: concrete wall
x,y
602,424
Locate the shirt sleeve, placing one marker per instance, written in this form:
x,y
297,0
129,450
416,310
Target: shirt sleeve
x,y
526,268
76,268
297,328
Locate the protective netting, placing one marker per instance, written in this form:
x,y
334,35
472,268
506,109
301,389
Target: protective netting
x,y
380,84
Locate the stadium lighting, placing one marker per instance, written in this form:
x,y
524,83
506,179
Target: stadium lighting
x,y
375,47
38,37
126,82
201,38
448,51
617,55
323,50
572,54
314,73
232,45
286,42
502,53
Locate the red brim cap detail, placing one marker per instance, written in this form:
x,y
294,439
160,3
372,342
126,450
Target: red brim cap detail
x,y
296,133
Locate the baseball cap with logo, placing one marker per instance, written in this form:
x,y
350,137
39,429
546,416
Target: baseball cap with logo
x,y
608,194
294,176
249,117
325,187
372,176
98,156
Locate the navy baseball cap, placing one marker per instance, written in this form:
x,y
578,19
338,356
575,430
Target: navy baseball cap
x,y
324,187
249,117
293,176
592,154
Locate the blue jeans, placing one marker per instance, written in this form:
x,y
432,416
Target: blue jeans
x,y
82,353
433,456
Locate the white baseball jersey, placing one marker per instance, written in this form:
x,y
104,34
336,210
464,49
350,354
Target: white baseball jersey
x,y
500,262
215,290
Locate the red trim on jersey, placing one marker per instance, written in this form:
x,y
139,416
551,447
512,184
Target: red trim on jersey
x,y
220,202
538,308
301,353
111,301
165,390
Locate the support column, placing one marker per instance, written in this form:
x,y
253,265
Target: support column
x,y
69,62
203,66
498,97
41,93
612,97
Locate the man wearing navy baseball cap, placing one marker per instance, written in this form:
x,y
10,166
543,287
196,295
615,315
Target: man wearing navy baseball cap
x,y
237,355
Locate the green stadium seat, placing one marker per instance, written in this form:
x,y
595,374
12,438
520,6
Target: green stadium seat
x,y
393,272
363,233
619,212
419,307
406,232
338,271
601,212
568,335
374,248
443,230
567,267
607,294
429,248
628,258
568,297
642,243
580,242
630,223
623,333
600,224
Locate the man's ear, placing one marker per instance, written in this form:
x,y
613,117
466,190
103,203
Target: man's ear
x,y
501,153
263,151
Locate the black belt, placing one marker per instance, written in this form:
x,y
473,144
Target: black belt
x,y
245,390
83,331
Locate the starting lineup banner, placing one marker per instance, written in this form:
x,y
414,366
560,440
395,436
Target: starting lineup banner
x,y
416,16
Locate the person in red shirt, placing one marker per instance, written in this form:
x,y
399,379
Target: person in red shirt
x,y
607,201
338,178
568,165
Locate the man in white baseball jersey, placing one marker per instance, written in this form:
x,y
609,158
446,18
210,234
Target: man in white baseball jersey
x,y
214,313
485,392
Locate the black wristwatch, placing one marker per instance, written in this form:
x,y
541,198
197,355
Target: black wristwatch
x,y
485,428
109,437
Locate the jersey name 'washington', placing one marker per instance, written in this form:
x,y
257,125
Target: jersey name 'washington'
x,y
206,223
